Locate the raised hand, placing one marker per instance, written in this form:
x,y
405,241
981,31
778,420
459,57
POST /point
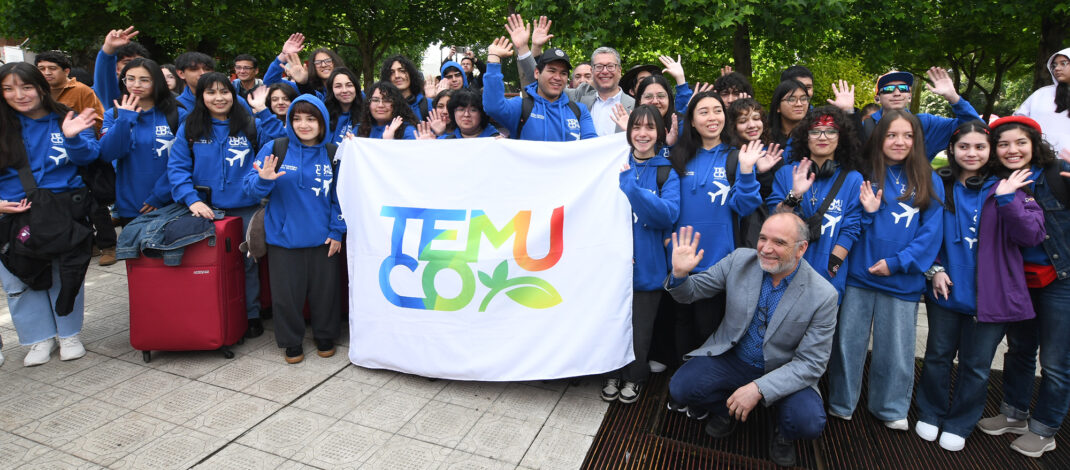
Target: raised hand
x,y
673,68
257,98
749,154
72,124
619,115
625,167
453,52
674,131
430,86
684,256
519,31
438,121
1014,182
117,38
267,170
423,131
770,158
500,48
726,70
942,84
200,209
293,45
942,285
296,69
801,178
870,202
541,34
844,94
388,133
129,103
12,207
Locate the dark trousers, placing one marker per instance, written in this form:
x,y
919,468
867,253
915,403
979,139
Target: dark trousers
x,y
105,230
695,322
706,382
644,311
302,274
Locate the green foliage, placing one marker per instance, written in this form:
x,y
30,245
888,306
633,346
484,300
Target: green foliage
x,y
827,69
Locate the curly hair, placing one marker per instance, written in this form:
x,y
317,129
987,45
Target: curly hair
x,y
848,148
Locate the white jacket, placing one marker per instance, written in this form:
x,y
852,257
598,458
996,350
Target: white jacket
x,y
1041,107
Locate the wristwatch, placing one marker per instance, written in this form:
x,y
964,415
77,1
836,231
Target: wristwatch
x,y
792,200
936,268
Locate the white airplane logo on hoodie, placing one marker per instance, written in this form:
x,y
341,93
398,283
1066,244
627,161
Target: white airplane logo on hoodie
x,y
722,192
165,146
239,156
908,212
58,159
325,186
831,224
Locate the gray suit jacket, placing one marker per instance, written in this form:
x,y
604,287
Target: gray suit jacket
x,y
798,339
585,93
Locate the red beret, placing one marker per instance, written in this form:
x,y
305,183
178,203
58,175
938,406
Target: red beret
x,y
1024,120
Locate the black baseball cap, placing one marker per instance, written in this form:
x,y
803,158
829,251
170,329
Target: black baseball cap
x,y
552,54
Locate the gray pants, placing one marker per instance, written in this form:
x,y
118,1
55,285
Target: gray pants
x,y
644,311
302,274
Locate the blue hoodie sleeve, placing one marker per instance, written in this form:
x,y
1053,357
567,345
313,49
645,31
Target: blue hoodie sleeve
x,y
161,192
409,133
505,112
253,184
587,130
83,148
652,210
745,196
782,183
105,82
938,129
180,170
115,139
851,226
683,97
268,128
920,253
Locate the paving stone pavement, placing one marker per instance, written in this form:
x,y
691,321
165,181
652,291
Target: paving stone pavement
x,y
110,409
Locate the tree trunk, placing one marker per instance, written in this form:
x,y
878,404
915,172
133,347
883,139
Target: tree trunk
x,y
1052,36
741,50
367,64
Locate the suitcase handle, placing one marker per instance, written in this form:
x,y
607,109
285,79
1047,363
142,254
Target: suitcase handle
x,y
207,193
227,243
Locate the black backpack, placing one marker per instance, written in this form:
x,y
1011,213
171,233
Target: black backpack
x,y
529,103
282,144
748,227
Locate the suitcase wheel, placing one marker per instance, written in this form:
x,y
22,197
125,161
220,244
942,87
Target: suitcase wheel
x,y
241,340
146,356
227,353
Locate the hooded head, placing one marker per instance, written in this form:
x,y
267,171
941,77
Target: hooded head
x,y
449,72
1064,71
308,104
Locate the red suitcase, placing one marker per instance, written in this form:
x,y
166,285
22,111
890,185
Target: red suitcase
x,y
196,306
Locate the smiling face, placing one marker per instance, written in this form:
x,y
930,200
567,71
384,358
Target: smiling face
x,y
454,79
897,99
218,98
443,104
582,74
656,95
823,144
467,119
779,248
794,105
552,79
400,77
898,142
643,137
245,70
23,97
1014,149
606,72
279,102
971,152
307,128
139,82
344,90
324,65
708,121
749,125
381,107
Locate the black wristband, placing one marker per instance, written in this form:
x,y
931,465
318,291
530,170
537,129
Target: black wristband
x,y
834,263
792,200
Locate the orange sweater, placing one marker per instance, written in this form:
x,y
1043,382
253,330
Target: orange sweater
x,y
79,96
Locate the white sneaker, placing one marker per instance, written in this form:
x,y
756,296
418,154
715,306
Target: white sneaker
x,y
1,359
898,425
40,353
70,348
657,367
927,431
952,442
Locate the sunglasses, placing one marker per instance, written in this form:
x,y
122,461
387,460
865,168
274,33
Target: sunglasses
x,y
889,89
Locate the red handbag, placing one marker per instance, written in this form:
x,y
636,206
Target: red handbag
x,y
1039,275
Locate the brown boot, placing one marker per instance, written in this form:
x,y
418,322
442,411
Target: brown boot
x,y
107,257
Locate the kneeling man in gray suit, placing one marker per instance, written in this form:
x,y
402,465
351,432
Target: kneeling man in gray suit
x,y
774,342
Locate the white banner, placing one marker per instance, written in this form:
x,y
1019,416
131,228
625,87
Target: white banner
x,y
488,259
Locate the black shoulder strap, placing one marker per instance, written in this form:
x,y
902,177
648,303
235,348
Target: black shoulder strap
x,y
831,195
422,104
172,119
26,178
332,150
730,166
1056,184
575,109
868,124
526,105
251,134
279,148
663,176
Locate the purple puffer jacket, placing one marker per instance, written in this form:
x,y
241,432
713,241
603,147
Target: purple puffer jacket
x,y
1002,295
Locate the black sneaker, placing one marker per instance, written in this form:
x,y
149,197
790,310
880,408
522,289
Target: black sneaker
x,y
325,347
255,329
697,413
295,354
720,426
782,451
676,406
629,392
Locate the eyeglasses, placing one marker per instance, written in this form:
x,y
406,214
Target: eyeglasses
x,y
828,133
606,67
1060,64
467,110
243,68
654,96
323,62
135,80
381,101
889,89
798,99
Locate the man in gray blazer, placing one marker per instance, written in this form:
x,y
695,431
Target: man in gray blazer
x,y
774,342
600,96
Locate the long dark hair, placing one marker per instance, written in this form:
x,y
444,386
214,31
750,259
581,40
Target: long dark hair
x,y
688,143
646,113
387,90
314,79
180,84
287,90
915,166
162,98
334,107
416,80
782,90
659,79
1043,155
743,107
199,121
953,169
1062,97
463,98
848,150
12,148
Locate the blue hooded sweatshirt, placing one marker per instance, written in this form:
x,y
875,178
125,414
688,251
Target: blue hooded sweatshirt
x,y
958,252
303,211
841,224
221,162
907,240
654,212
707,202
344,126
548,122
938,129
53,157
489,131
139,144
105,82
452,64
377,132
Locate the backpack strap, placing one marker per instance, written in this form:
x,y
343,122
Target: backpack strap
x,y
868,125
663,176
422,104
731,165
279,148
575,109
831,195
332,150
527,103
251,134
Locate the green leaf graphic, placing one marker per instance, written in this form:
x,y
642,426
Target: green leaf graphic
x,y
486,280
537,294
501,273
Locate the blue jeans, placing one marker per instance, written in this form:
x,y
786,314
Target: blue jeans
x,y
891,368
706,382
975,342
252,269
1048,331
33,311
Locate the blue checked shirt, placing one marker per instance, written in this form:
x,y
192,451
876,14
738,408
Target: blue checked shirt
x,y
749,349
